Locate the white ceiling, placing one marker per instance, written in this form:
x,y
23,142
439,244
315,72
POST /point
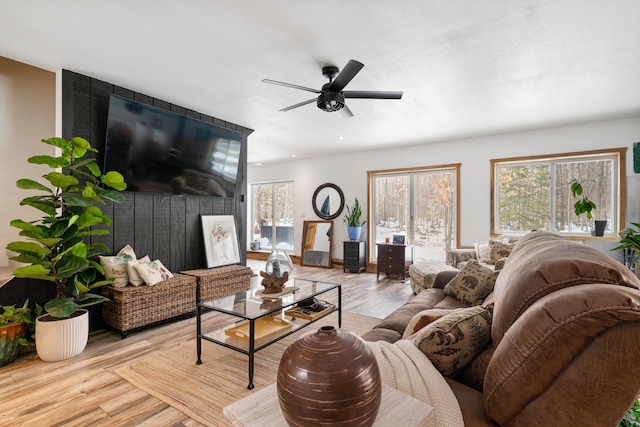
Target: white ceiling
x,y
467,68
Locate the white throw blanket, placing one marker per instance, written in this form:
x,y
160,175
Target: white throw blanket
x,y
404,367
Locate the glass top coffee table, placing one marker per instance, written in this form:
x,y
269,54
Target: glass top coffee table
x,y
263,319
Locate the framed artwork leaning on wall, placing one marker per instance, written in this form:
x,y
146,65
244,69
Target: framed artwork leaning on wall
x,y
220,240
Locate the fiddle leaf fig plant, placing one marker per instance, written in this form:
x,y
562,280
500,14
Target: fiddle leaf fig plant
x,y
352,218
55,248
584,205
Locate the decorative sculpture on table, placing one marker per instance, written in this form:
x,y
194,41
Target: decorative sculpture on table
x,y
273,284
278,267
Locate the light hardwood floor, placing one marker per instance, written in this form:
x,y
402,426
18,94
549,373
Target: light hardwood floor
x,y
86,391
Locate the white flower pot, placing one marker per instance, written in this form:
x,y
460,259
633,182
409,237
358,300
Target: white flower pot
x,y
61,339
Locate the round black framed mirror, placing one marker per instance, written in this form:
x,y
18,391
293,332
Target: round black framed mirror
x,y
328,201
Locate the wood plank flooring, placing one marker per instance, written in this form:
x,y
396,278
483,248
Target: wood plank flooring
x,y
85,391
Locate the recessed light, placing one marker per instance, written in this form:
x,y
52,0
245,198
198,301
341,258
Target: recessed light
x,y
293,155
341,137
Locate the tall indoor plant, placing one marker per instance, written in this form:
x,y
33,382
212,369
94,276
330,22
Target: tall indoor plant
x,y
55,249
585,206
352,220
630,243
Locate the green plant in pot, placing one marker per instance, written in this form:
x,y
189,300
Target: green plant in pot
x,y
630,242
55,248
586,206
352,220
17,330
632,417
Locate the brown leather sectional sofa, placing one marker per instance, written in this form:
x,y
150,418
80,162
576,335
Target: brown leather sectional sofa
x,y
565,347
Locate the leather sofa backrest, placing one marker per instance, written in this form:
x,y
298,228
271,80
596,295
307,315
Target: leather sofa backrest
x,y
566,327
542,263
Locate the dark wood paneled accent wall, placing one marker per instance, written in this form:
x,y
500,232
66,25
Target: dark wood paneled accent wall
x,y
164,226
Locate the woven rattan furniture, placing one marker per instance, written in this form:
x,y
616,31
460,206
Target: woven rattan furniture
x,y
221,281
132,307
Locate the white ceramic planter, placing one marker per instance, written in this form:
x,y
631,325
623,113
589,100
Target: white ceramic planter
x,y
61,339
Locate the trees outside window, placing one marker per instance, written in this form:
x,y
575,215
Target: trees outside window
x,y
272,215
534,193
420,204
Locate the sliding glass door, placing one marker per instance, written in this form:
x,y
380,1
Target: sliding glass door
x,y
419,204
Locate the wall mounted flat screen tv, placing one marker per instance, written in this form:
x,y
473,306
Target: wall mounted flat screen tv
x,y
159,151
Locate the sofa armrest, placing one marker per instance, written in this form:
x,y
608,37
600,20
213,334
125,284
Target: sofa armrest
x,y
457,256
573,340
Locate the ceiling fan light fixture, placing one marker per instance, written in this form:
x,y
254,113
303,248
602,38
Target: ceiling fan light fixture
x,y
330,101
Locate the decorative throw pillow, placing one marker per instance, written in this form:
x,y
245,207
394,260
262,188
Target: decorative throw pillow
x,y
483,251
115,267
472,285
454,340
422,319
134,277
499,249
153,272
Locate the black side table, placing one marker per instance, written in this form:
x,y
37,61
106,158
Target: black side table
x,y
354,256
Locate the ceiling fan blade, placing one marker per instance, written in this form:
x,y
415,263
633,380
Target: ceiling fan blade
x,y
371,94
345,112
344,77
275,82
300,104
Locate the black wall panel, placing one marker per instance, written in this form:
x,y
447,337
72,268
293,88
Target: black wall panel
x,y
165,227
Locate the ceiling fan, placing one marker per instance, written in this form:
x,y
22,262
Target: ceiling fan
x,y
332,96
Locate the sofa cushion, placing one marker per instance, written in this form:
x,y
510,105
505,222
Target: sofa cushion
x,y
483,251
498,249
452,341
472,284
473,374
393,326
424,318
542,263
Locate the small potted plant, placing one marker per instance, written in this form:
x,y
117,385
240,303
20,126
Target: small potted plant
x,y
585,206
630,243
352,220
17,330
55,249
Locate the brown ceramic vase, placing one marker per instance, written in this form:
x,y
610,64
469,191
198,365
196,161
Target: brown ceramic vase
x,y
329,377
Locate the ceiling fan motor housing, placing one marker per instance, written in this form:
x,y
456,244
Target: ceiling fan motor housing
x,y
330,101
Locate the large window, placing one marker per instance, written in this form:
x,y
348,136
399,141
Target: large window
x,y
420,204
272,215
533,193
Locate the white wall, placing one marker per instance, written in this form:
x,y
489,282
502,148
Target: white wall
x,y
27,115
349,172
